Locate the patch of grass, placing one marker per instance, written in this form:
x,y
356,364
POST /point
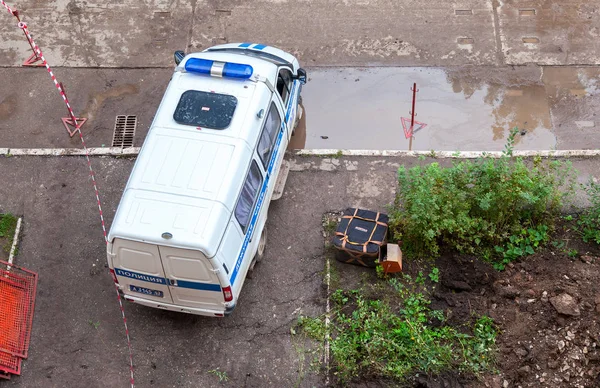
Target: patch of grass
x,y
222,375
329,226
8,223
474,206
309,353
336,155
330,221
400,336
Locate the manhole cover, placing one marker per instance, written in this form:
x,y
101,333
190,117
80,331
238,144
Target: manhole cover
x,y
124,131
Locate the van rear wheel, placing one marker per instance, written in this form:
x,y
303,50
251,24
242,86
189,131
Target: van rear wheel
x,y
260,252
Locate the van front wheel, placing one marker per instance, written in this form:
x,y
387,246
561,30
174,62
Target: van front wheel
x,y
260,252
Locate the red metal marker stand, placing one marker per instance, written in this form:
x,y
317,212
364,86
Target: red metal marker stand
x,y
409,131
71,121
34,59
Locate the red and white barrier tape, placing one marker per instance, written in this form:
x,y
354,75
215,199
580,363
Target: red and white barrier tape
x,y
7,7
38,52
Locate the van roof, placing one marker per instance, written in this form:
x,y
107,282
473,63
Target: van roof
x,y
186,179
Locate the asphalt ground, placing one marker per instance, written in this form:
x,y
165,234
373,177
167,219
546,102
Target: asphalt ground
x,y
78,336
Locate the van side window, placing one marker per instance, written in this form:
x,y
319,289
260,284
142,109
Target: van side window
x,y
267,137
284,84
245,205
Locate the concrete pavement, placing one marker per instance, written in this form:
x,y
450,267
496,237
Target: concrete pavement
x,y
320,32
465,108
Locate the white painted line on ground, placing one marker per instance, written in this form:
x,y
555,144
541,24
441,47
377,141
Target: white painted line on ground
x,y
13,248
448,154
327,320
116,151
584,124
99,151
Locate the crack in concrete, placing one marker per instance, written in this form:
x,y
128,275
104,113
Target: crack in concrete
x,y
191,30
75,12
272,331
499,52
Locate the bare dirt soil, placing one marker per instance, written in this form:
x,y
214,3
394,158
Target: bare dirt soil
x,y
538,346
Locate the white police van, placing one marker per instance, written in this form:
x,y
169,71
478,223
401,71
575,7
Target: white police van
x,y
191,221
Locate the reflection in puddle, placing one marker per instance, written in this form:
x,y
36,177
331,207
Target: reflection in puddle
x,y
525,108
298,139
566,82
516,100
574,96
464,109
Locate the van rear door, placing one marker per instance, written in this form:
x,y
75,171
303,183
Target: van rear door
x,y
191,278
139,270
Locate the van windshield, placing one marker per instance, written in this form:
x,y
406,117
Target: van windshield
x,y
203,109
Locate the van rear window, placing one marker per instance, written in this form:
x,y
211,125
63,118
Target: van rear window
x,y
203,109
247,199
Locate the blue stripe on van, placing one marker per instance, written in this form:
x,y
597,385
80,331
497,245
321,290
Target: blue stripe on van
x,y
163,281
199,286
259,46
263,189
244,45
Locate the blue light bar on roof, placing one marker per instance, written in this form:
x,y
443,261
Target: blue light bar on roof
x,y
218,69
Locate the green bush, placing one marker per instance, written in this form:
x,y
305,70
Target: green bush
x,y
474,206
589,221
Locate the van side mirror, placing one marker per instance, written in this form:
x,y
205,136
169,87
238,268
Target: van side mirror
x,y
301,75
179,55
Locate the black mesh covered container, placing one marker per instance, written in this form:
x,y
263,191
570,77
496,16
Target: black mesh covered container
x,y
359,236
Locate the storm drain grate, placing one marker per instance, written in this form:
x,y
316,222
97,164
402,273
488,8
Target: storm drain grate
x,y
124,131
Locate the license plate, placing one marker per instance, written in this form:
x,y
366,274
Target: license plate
x,y
146,291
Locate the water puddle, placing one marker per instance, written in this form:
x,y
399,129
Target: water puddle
x,y
570,82
298,139
352,108
574,97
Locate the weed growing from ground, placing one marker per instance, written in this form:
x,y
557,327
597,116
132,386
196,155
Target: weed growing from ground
x,y
589,222
521,244
475,206
395,337
220,374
